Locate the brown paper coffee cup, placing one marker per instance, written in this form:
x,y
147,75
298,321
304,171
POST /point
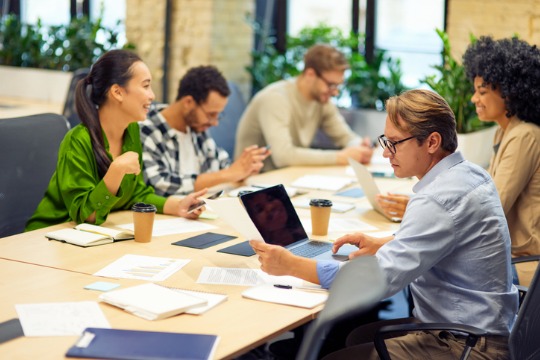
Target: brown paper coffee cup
x,y
143,221
320,216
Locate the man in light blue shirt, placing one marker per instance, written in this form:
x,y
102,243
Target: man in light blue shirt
x,y
453,246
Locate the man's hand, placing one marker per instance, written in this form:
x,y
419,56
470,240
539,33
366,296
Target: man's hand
x,y
393,205
367,245
249,163
274,259
361,153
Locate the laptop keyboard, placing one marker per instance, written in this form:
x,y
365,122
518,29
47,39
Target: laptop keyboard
x,y
311,249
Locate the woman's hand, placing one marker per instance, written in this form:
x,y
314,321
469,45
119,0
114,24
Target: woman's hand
x,y
180,206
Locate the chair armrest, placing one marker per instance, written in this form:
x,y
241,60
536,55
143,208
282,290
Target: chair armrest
x,y
522,291
386,331
528,258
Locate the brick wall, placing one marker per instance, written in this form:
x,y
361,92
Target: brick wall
x,y
498,18
203,32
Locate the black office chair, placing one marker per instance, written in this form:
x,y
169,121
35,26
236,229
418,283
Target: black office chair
x,y
225,133
70,112
28,155
358,287
523,340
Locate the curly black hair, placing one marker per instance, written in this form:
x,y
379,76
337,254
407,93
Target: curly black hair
x,y
512,65
199,81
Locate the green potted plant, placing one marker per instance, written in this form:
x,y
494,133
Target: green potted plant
x,y
451,82
30,54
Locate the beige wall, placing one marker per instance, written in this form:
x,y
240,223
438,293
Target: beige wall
x,y
202,32
498,18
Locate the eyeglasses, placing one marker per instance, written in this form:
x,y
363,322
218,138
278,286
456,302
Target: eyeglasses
x,y
213,117
391,145
331,85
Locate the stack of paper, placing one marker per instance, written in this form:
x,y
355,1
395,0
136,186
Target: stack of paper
x,y
151,301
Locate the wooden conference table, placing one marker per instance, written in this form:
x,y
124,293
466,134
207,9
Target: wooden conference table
x,y
35,270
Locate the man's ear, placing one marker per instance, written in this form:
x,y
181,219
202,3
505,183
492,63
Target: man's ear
x,y
117,92
310,72
434,142
188,102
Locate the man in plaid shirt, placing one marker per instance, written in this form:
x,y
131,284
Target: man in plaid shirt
x,y
179,154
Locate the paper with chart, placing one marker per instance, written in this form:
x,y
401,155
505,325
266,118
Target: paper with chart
x,y
243,277
174,226
60,319
142,267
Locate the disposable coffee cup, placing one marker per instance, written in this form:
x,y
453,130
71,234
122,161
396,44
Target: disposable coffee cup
x,y
320,215
143,221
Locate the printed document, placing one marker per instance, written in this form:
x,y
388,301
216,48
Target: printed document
x,y
60,319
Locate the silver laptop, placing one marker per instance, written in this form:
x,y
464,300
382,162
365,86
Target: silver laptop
x,y
370,188
273,214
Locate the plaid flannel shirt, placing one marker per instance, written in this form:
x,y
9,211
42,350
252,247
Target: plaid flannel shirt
x,y
161,156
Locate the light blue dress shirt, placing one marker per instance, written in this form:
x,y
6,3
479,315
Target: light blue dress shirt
x,y
453,247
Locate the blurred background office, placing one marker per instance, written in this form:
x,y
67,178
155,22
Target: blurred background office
x,y
174,35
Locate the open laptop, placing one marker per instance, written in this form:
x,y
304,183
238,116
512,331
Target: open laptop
x,y
273,214
371,190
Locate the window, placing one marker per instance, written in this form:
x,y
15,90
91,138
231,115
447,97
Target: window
x,y
114,16
304,13
51,12
406,29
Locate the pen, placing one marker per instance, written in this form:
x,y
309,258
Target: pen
x,y
283,286
301,288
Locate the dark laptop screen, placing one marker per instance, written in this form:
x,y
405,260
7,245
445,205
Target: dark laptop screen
x,y
274,215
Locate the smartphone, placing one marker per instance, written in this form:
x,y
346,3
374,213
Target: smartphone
x,y
201,203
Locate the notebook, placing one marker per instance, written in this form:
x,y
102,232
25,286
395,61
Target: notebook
x,y
151,301
212,299
286,296
273,214
89,235
371,190
122,344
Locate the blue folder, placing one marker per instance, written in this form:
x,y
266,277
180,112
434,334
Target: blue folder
x,y
120,344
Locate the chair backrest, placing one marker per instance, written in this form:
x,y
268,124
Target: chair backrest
x,y
69,107
28,155
523,342
225,133
358,287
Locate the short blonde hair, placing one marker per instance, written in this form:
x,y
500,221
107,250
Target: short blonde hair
x,y
323,57
424,112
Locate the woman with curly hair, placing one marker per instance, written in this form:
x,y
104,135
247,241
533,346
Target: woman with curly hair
x,y
506,76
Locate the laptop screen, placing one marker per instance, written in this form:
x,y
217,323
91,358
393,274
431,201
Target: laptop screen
x,y
274,215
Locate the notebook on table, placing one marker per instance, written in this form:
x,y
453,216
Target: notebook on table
x,y
371,190
273,214
151,301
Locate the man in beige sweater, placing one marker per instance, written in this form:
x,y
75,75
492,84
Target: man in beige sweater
x,y
286,116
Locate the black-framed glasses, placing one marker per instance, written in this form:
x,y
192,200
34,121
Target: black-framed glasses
x,y
331,85
212,117
391,145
